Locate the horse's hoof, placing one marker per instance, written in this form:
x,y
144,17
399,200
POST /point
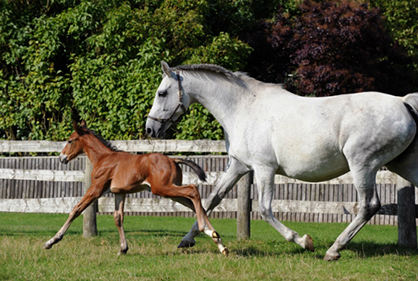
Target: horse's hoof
x,y
186,244
225,252
123,252
48,245
309,243
329,257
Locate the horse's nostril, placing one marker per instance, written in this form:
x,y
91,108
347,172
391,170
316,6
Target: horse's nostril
x,y
149,131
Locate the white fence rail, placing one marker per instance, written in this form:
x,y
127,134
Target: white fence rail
x,y
345,210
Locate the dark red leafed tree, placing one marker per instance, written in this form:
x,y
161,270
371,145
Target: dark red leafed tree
x,y
335,48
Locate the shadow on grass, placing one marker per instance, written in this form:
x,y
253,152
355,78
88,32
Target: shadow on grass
x,y
371,249
364,250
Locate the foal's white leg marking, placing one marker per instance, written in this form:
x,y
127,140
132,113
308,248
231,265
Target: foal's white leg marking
x,y
228,180
369,205
217,239
265,183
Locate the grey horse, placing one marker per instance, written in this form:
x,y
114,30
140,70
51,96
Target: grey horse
x,y
272,131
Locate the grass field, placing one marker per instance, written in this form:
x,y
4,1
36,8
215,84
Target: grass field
x,y
153,254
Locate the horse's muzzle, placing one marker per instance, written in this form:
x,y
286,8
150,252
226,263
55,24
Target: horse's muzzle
x,y
63,158
155,134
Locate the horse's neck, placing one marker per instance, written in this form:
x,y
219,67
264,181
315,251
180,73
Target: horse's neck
x,y
94,148
221,97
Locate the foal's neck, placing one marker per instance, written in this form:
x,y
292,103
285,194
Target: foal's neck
x,y
94,148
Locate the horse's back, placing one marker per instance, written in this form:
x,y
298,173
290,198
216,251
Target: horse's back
x,y
318,138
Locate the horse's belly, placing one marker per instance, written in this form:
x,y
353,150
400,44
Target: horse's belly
x,y
314,168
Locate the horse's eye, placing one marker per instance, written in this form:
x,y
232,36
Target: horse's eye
x,y
70,141
162,94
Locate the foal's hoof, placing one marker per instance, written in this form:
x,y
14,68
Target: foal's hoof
x,y
308,243
225,252
186,244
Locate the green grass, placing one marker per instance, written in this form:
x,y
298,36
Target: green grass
x,y
153,254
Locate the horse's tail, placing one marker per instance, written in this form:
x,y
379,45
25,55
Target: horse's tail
x,y
196,168
411,102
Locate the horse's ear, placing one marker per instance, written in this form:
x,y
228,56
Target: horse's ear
x,y
166,69
83,123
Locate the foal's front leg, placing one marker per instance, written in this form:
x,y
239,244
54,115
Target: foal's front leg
x,y
92,194
118,216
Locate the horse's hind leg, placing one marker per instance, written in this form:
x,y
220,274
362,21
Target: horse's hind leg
x,y
369,205
118,216
265,183
406,165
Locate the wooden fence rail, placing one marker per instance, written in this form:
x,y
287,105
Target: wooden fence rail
x,y
333,200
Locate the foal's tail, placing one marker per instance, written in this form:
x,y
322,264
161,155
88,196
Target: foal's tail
x,y
196,168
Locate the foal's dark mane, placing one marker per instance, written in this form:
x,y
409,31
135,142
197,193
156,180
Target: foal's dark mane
x,y
101,139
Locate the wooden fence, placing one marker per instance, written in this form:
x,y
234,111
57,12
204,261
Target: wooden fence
x,y
43,184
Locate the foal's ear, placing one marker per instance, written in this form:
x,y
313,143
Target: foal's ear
x,y
77,128
166,69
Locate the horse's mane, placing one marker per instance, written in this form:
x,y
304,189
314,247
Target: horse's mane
x,y
101,139
210,67
219,69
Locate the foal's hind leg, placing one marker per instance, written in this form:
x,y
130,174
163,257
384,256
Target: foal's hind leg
x,y
118,216
191,199
227,181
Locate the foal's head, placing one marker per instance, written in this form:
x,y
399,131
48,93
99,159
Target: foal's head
x,y
74,146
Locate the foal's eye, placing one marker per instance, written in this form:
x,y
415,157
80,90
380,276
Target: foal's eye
x,y
162,94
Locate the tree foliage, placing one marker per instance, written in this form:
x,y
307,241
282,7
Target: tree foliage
x,y
100,60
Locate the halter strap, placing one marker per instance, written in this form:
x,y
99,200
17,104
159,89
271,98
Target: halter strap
x,y
179,105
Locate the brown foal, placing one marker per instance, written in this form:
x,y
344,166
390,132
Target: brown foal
x,y
121,173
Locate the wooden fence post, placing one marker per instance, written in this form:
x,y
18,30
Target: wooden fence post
x,y
407,229
89,214
244,206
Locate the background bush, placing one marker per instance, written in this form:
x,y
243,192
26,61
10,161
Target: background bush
x,y
100,60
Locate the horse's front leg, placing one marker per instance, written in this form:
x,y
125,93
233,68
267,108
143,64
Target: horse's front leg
x,y
118,216
92,194
227,181
265,183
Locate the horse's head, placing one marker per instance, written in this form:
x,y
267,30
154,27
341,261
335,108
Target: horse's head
x,y
170,103
74,146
